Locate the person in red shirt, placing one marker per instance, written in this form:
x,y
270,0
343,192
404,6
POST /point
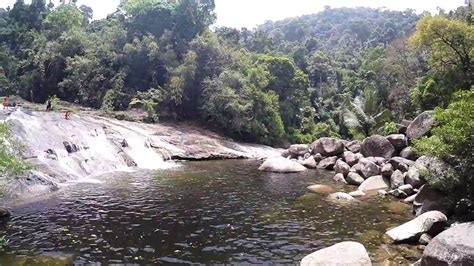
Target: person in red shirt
x,y
5,102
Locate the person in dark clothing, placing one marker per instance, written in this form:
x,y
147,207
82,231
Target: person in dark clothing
x,y
48,105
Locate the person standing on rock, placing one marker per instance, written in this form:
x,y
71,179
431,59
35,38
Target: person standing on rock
x,y
48,104
66,115
5,102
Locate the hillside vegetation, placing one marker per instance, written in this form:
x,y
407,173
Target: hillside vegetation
x,y
342,72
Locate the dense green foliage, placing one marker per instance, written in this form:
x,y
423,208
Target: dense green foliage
x,y
341,72
453,141
10,162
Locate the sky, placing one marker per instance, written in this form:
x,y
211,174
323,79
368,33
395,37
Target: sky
x,y
250,13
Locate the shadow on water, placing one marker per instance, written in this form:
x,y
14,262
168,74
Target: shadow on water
x,y
202,212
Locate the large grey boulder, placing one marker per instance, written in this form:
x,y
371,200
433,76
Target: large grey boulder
x,y
328,146
341,197
421,126
281,165
416,175
432,222
343,254
454,246
342,167
352,158
354,179
429,199
298,150
398,141
397,179
327,163
377,146
409,153
401,163
374,183
368,168
354,146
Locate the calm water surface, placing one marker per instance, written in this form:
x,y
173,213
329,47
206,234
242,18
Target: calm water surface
x,y
202,212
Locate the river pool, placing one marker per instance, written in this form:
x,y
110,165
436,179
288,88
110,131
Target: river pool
x,y
199,212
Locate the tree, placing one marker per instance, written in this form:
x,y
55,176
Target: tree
x,y
450,44
62,19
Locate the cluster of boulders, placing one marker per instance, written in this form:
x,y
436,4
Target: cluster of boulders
x,y
383,165
376,163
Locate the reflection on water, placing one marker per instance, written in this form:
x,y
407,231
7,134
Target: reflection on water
x,y
203,212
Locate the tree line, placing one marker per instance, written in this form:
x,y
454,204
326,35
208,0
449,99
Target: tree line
x,y
343,72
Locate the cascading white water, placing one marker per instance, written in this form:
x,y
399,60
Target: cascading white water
x,y
45,134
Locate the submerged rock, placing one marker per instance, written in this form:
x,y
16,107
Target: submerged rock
x,y
281,165
454,246
344,253
357,193
377,146
341,197
328,146
421,125
431,222
322,189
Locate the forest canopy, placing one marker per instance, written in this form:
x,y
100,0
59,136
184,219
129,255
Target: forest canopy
x,y
342,72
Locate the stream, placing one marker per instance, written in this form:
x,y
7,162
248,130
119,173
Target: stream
x,y
198,212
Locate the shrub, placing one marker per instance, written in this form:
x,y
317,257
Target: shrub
x,y
10,163
389,128
3,243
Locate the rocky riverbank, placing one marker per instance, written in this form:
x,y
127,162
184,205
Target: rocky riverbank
x,y
87,145
387,166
